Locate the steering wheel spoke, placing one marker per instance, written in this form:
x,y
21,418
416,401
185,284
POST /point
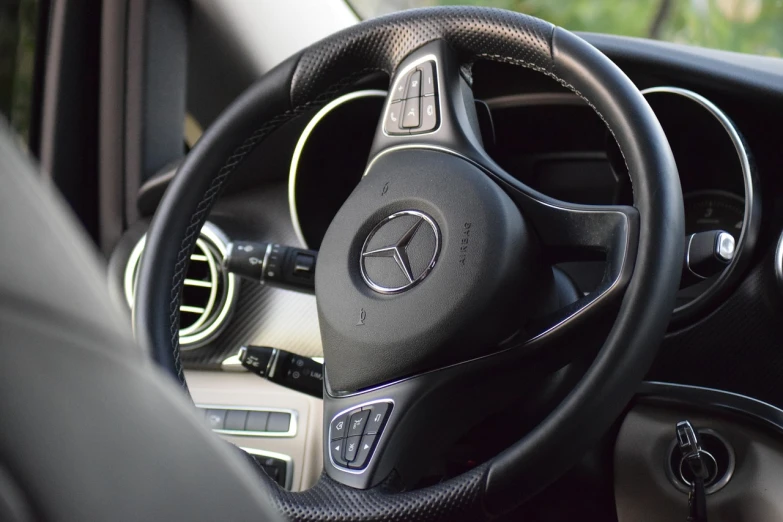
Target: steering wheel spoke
x,y
405,426
570,232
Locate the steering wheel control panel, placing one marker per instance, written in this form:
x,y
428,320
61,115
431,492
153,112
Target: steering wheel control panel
x,y
353,435
413,108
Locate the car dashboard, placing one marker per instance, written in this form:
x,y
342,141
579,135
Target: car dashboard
x,y
721,113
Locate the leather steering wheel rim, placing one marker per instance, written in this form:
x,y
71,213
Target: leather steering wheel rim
x,y
318,74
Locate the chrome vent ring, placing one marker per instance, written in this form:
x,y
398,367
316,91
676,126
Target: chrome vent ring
x,y
208,293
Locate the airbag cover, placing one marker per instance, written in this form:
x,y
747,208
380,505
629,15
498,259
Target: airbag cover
x,y
464,290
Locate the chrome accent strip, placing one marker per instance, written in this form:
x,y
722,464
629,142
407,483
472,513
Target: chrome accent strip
x,y
218,240
779,261
289,463
271,366
300,144
232,363
292,428
688,257
192,309
265,262
196,282
377,445
754,409
213,275
748,228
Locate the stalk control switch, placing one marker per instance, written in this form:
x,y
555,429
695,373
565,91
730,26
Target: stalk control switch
x,y
273,264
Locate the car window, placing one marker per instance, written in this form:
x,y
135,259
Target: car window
x,y
749,26
18,21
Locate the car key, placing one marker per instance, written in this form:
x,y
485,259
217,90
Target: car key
x,y
693,456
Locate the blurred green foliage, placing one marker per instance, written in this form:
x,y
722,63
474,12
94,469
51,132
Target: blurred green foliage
x,y
748,26
18,20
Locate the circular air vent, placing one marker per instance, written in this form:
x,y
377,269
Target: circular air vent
x,y
208,293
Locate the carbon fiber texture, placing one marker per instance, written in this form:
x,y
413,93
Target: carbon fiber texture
x,y
737,348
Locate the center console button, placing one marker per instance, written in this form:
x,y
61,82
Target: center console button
x,y
235,420
279,422
216,419
257,420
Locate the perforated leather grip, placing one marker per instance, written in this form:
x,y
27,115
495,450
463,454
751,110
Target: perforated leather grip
x,y
382,43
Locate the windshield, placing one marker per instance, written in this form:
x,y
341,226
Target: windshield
x,y
748,26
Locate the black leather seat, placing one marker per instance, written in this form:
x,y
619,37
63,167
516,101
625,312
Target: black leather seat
x,y
91,430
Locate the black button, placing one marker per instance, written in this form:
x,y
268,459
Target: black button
x,y
429,114
339,426
393,119
414,85
216,419
351,447
235,420
410,114
256,420
363,454
377,415
304,264
279,422
357,422
399,89
428,79
336,448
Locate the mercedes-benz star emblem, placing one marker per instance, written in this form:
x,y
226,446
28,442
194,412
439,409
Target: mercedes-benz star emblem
x,y
400,252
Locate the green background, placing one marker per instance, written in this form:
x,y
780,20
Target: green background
x,y
747,26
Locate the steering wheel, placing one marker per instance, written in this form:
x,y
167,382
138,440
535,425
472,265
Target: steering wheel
x,y
434,283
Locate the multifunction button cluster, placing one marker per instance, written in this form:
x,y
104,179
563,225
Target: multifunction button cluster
x,y
353,435
414,102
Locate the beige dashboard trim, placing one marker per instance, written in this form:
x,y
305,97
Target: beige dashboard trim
x,y
248,391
